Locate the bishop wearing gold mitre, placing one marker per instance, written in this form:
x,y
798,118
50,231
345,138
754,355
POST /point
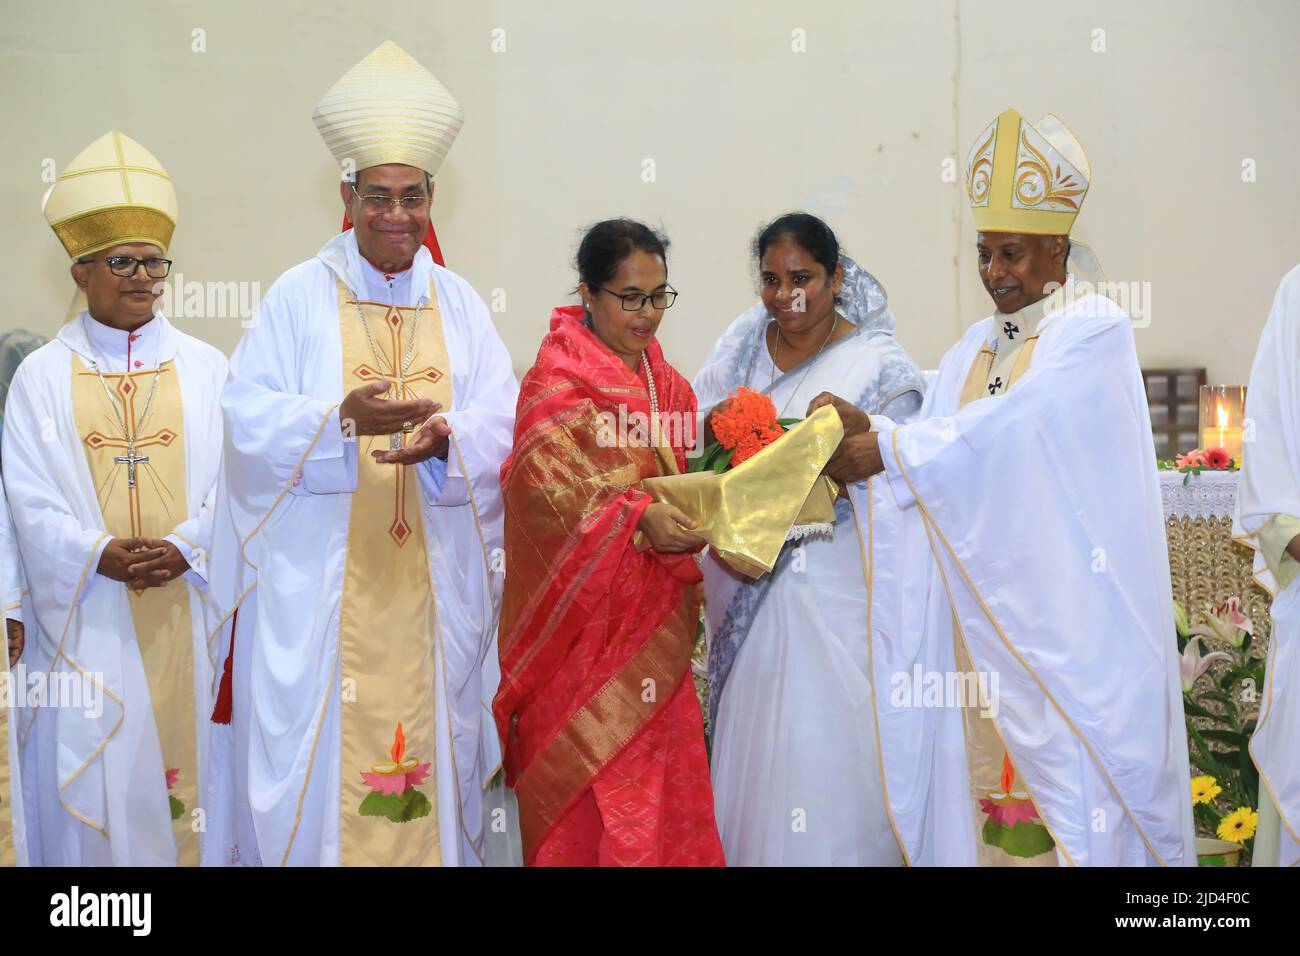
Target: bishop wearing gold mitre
x,y
1027,533
112,443
369,409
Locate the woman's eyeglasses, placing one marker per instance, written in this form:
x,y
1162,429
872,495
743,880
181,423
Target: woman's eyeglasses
x,y
635,301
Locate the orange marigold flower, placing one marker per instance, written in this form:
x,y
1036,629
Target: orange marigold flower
x,y
746,424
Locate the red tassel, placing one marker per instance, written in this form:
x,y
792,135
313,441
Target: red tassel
x,y
430,240
222,712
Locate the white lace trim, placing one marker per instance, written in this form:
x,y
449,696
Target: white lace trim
x,y
821,529
1208,495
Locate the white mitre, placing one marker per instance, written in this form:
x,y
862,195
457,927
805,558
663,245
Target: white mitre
x,y
388,109
114,191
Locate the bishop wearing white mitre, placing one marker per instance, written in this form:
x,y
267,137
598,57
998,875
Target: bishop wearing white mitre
x,y
112,441
1029,707
369,409
1268,517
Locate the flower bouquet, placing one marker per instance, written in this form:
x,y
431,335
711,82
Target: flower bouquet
x,y
1198,460
1221,706
760,484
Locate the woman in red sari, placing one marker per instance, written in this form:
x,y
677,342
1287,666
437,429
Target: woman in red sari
x,y
604,742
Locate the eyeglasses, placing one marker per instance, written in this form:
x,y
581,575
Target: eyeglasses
x,y
635,301
125,266
374,202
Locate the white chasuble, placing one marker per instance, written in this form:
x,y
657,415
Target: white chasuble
x,y
120,755
1027,686
1270,487
364,597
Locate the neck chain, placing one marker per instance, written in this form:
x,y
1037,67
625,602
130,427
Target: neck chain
x,y
650,387
656,431
395,440
130,459
835,318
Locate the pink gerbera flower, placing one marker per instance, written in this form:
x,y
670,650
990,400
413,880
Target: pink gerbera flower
x,y
1216,459
173,774
1190,460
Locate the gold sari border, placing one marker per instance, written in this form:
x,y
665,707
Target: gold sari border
x,y
599,730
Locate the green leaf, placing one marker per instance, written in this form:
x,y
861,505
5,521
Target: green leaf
x,y
398,807
1225,736
1025,839
178,808
1210,765
705,461
1193,709
1221,696
1203,763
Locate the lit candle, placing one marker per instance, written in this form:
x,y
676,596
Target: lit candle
x,y
1222,414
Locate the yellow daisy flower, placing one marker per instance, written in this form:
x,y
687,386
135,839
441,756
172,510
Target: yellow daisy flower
x,y
1239,825
1205,789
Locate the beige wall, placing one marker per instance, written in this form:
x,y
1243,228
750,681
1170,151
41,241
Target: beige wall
x,y
740,128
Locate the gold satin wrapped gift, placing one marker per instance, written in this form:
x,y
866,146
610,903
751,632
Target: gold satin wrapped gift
x,y
746,514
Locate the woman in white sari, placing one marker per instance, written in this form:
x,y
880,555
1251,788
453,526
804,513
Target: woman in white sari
x,y
796,778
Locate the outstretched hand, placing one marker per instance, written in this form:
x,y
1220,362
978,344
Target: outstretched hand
x,y
366,412
431,441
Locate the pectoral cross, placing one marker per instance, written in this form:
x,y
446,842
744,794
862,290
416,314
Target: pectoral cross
x,y
130,459
1010,330
163,437
995,385
401,390
404,379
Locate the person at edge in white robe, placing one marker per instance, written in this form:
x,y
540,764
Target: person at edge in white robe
x,y
13,591
1268,519
102,789
285,389
1032,518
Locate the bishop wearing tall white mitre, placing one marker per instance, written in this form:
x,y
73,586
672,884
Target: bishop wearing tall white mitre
x,y
369,409
1268,518
1028,703
112,441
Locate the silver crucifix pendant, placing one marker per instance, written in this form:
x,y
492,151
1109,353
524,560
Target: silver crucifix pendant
x,y
130,459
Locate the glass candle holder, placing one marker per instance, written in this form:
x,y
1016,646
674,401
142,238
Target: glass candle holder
x,y
1223,412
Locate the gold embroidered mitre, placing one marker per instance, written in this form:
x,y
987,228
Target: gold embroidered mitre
x,y
388,109
1026,177
115,191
